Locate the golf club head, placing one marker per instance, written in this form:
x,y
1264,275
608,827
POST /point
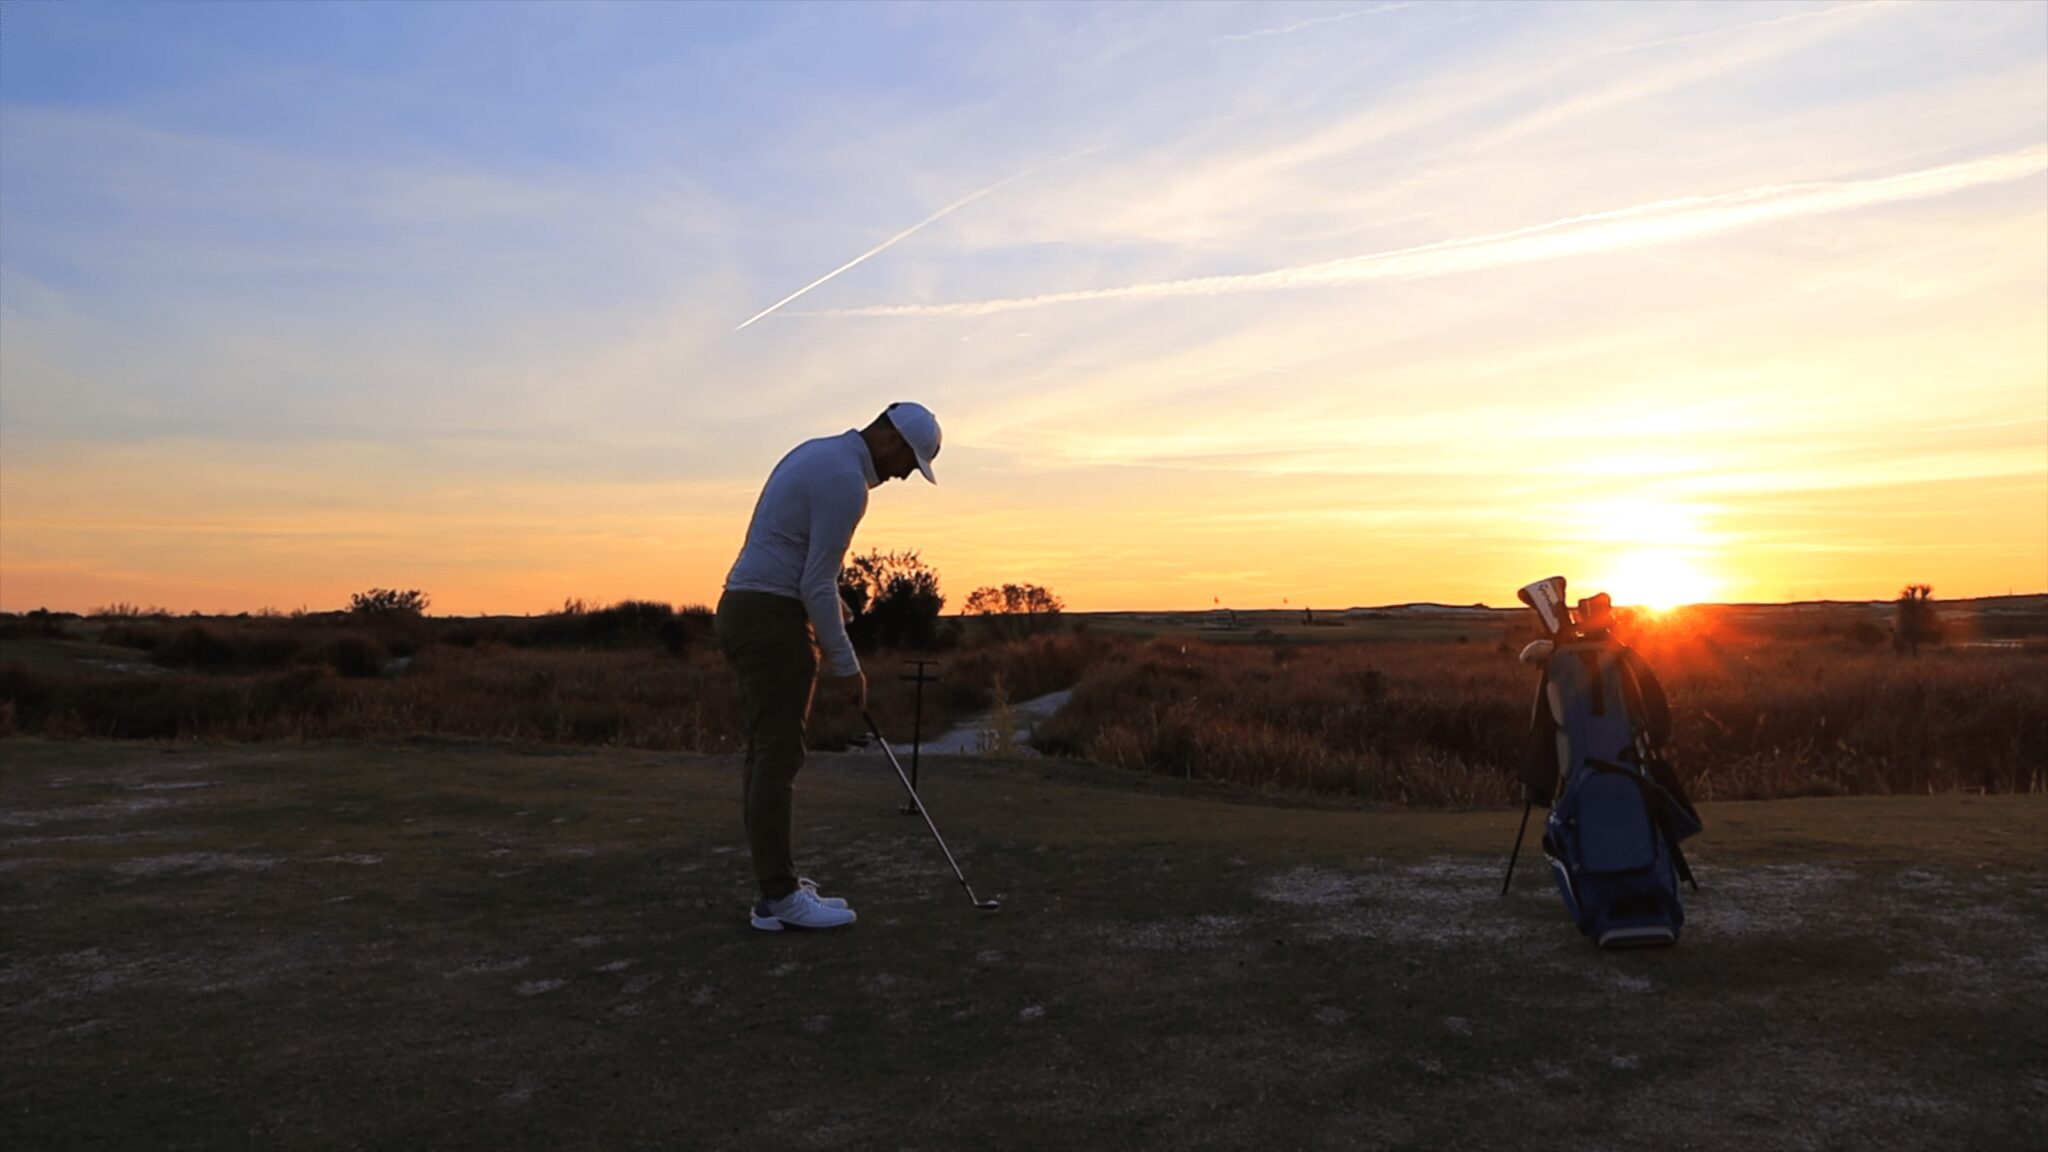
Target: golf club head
x,y
917,806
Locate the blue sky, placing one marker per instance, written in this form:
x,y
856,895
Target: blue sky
x,y
1341,303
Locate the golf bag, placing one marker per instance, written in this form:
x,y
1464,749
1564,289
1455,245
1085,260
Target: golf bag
x,y
1617,810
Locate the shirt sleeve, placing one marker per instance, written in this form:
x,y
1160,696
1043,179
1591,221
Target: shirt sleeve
x,y
834,516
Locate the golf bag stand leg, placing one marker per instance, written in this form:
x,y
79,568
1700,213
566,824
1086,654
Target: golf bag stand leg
x,y
1684,869
1519,833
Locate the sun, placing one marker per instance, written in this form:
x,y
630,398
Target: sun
x,y
1658,579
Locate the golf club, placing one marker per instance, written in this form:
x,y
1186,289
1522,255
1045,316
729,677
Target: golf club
x,y
989,905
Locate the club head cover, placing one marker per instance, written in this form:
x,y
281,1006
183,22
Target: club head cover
x,y
1546,598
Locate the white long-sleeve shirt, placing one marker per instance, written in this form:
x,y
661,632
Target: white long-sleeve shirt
x,y
802,526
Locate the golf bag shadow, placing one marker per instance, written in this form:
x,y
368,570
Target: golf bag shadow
x,y
1617,810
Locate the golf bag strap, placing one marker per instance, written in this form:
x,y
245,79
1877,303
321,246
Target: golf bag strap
x,y
1646,696
1686,818
1664,813
1596,687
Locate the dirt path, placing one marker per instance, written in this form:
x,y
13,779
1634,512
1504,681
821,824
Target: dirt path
x,y
978,732
458,946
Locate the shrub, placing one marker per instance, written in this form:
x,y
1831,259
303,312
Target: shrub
x,y
196,646
1015,610
1917,621
693,625
352,654
139,635
36,624
895,600
389,602
628,623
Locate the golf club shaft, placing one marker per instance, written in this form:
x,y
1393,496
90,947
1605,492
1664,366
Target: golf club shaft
x,y
894,763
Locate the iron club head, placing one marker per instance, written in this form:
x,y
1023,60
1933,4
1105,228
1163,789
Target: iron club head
x,y
918,807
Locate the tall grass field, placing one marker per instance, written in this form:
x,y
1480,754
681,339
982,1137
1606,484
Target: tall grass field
x,y
1403,708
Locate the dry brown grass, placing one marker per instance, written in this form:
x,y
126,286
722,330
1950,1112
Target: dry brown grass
x,y
1759,713
636,675
1443,724
1429,724
1758,716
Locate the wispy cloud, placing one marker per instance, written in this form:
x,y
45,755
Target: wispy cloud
x,y
1661,222
1236,37
913,230
1752,26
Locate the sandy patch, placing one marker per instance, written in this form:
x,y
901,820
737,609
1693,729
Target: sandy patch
x,y
1770,900
98,972
192,864
490,966
110,810
1175,935
1441,901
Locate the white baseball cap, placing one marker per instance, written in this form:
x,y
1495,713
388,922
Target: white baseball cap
x,y
919,429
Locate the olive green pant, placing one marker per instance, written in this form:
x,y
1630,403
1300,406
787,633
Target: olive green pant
x,y
767,639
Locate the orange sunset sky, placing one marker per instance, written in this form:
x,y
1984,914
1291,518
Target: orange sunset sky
x,y
1254,304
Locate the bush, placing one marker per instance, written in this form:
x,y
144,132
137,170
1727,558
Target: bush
x,y
389,602
895,600
693,625
355,655
196,646
144,636
1015,610
628,623
36,624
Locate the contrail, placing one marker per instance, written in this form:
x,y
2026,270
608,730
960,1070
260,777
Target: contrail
x,y
941,214
1752,26
1661,222
1237,36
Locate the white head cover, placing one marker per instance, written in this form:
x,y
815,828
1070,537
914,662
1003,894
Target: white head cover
x,y
920,429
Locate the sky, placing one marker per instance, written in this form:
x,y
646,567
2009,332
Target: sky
x,y
1255,305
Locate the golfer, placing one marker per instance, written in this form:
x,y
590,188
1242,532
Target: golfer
x,y
781,605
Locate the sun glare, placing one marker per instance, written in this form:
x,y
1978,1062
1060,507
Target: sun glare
x,y
1657,580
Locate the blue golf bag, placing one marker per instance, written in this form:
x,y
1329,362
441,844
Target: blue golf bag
x,y
1617,810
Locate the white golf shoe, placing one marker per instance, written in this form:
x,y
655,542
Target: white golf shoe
x,y
812,885
799,909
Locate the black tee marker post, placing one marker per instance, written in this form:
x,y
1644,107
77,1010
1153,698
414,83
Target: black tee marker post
x,y
917,721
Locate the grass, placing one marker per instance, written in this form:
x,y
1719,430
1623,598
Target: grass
x,y
460,945
1444,724
1411,708
636,675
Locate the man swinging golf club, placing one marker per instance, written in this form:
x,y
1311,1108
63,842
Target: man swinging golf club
x,y
781,598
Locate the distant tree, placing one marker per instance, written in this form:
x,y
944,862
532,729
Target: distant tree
x,y
1915,620
894,598
389,602
1016,609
